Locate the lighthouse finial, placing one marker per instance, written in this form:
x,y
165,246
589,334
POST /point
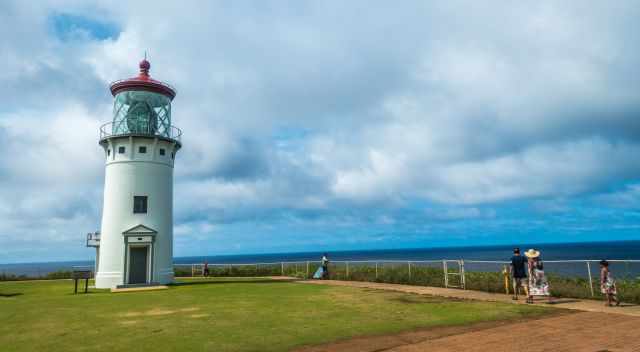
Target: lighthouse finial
x,y
145,65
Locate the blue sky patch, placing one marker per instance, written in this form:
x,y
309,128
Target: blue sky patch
x,y
73,27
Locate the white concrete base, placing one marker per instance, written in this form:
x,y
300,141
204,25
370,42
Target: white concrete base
x,y
137,289
108,279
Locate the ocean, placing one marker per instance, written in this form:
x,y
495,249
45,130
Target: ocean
x,y
623,250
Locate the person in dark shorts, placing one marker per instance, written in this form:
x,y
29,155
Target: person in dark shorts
x,y
518,271
205,271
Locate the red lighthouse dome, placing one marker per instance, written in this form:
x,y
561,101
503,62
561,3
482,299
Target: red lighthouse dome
x,y
143,81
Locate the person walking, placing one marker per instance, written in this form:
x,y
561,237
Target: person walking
x,y
518,272
205,270
608,284
325,266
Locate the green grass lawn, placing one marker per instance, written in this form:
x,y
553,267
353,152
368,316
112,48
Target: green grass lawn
x,y
220,316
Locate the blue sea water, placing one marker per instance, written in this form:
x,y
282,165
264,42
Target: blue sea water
x,y
624,250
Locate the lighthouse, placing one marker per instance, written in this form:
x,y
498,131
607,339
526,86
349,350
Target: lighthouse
x,y
135,245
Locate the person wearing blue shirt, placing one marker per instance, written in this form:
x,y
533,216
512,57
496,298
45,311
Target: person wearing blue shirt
x,y
518,271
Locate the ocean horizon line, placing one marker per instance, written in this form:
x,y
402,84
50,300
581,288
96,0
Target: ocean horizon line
x,y
340,252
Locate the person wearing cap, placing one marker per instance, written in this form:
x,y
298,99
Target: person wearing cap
x,y
608,284
517,271
538,284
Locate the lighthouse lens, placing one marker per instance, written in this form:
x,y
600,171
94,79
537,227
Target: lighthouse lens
x,y
141,118
142,112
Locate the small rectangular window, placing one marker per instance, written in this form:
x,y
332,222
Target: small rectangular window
x,y
139,204
171,155
108,152
161,151
142,150
121,150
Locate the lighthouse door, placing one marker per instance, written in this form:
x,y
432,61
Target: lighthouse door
x,y
138,265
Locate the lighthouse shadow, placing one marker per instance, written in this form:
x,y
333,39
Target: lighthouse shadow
x,y
226,282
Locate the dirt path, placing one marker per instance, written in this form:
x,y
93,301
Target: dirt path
x,y
409,338
567,303
592,327
586,331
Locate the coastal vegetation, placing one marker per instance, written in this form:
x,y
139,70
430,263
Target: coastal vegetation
x,y
55,275
222,315
562,286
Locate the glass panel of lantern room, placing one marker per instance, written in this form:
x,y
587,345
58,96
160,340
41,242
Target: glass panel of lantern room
x,y
141,112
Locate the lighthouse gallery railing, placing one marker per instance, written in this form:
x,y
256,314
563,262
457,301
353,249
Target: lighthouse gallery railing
x,y
172,132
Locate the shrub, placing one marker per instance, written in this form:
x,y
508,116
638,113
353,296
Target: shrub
x,y
421,274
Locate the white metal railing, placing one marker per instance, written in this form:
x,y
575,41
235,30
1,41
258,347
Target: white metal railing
x,y
454,272
445,272
171,132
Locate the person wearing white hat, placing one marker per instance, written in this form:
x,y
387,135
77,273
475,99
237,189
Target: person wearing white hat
x,y
538,284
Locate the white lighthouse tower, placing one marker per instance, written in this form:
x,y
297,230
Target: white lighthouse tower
x,y
140,145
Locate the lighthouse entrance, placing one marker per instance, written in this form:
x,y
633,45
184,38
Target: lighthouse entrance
x,y
138,264
139,245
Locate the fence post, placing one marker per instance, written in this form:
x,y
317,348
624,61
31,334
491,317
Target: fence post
x,y
193,270
307,270
590,278
446,273
463,280
409,265
282,268
347,270
376,270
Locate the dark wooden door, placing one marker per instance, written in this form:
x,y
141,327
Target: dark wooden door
x,y
138,265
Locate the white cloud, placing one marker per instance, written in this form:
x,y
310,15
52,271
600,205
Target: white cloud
x,y
419,102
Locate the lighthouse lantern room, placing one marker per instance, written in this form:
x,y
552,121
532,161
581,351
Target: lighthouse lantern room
x,y
140,144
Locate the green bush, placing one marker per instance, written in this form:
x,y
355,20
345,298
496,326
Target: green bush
x,y
56,275
61,274
230,271
561,286
12,277
421,275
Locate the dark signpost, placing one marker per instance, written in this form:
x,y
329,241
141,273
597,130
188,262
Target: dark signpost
x,y
79,275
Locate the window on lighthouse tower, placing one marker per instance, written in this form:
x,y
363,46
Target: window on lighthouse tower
x,y
139,204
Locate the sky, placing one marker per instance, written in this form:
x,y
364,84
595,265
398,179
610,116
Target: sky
x,y
331,125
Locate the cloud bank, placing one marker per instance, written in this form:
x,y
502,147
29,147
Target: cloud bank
x,y
333,125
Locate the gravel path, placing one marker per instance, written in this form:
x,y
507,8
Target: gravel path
x,y
593,327
576,304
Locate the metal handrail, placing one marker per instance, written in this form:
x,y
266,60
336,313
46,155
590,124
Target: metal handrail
x,y
413,261
174,133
